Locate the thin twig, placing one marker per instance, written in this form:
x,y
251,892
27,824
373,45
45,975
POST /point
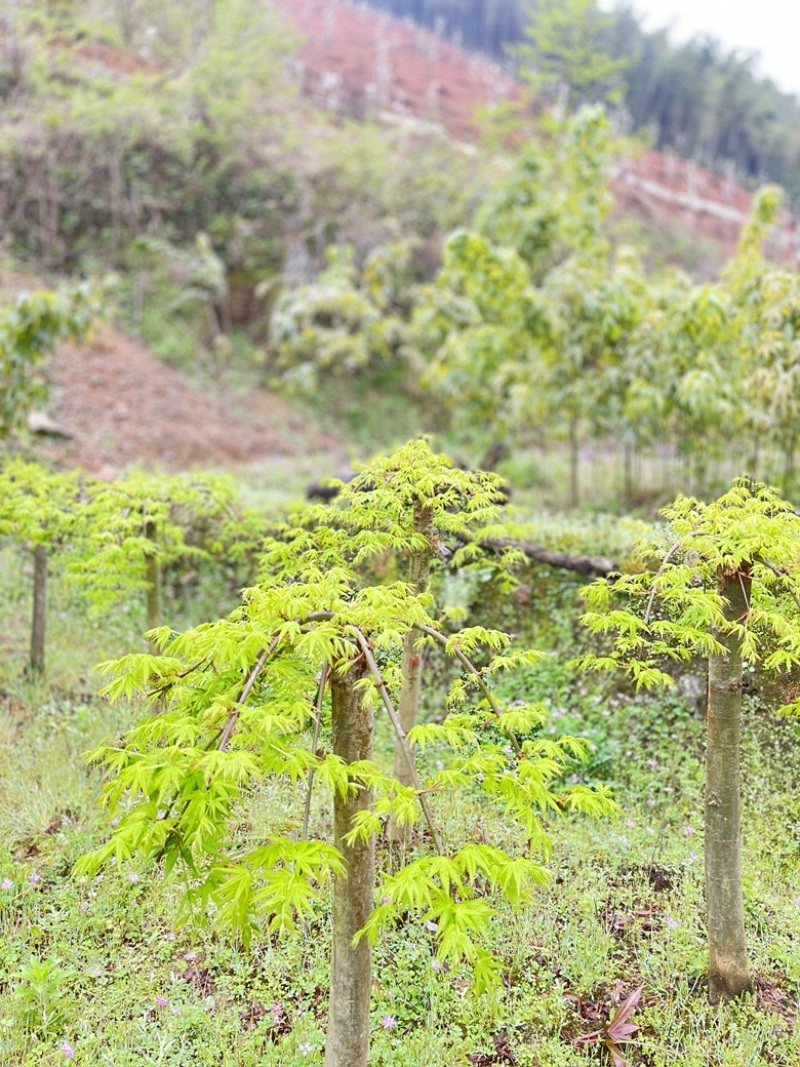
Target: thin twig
x,y
225,733
230,725
661,569
744,594
161,689
323,681
409,758
781,573
484,688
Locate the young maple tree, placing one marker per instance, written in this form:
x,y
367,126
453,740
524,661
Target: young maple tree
x,y
108,539
39,511
312,647
135,527
728,589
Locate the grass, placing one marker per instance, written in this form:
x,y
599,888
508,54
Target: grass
x,y
98,966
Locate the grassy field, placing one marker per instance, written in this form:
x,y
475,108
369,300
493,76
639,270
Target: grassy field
x,y
96,972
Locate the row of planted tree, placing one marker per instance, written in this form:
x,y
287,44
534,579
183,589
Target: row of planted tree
x,y
111,541
537,328
335,629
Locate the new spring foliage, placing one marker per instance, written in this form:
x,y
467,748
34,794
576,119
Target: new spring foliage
x,y
230,703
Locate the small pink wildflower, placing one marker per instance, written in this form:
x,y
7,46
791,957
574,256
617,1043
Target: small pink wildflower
x,y
68,1050
388,1022
7,884
689,830
672,924
190,956
34,879
162,1002
134,878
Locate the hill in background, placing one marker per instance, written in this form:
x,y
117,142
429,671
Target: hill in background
x,y
361,63
697,99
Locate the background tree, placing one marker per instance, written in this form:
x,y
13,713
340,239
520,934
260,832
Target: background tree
x,y
765,303
40,511
566,52
110,539
348,321
29,330
134,528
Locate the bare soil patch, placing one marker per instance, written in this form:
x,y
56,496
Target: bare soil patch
x,y
122,407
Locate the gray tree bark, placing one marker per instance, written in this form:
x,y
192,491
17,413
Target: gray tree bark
x,y
347,1043
153,568
411,690
728,970
574,464
39,620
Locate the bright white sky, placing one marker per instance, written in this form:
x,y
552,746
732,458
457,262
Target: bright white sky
x,y
769,27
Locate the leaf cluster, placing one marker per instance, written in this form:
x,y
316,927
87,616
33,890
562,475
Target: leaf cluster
x,y
749,535
101,534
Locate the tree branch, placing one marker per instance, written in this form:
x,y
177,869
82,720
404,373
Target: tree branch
x,y
230,725
780,573
473,670
401,737
661,569
323,681
587,565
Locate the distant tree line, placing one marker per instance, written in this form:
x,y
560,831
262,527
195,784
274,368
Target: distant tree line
x,y
698,99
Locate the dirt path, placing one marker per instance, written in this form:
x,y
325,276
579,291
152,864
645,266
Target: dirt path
x,y
122,407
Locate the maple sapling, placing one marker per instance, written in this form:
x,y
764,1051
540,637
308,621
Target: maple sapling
x,y
728,589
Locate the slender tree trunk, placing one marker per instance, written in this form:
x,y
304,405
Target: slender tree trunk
x,y
629,454
153,584
574,464
347,1043
39,621
789,466
728,971
408,707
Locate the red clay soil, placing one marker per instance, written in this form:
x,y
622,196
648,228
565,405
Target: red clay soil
x,y
661,190
357,61
124,408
